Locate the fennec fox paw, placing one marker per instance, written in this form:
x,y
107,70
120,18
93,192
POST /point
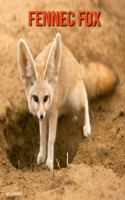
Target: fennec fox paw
x,y
40,159
86,131
49,164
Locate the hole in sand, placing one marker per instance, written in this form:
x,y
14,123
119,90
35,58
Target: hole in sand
x,y
22,137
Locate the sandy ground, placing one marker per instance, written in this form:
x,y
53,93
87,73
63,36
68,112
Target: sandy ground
x,y
97,169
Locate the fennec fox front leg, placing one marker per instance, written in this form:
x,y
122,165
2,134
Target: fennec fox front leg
x,y
43,134
52,119
53,116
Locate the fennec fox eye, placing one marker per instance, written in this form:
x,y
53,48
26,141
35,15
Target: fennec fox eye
x,y
35,98
45,98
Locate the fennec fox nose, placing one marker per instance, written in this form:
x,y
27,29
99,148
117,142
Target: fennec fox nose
x,y
41,116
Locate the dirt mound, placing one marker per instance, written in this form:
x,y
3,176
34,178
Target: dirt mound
x,y
98,162
84,182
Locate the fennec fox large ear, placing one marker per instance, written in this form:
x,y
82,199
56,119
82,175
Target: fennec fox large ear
x,y
26,63
53,61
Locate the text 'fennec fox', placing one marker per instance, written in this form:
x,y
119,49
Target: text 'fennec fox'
x,y
56,83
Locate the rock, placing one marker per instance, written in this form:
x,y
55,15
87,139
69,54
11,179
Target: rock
x,y
3,162
14,196
101,149
75,119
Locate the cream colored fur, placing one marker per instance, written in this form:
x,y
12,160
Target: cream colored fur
x,y
57,74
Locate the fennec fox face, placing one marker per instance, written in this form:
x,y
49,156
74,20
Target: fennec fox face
x,y
39,78
39,97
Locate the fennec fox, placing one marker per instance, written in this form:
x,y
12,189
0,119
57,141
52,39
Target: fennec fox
x,y
56,83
